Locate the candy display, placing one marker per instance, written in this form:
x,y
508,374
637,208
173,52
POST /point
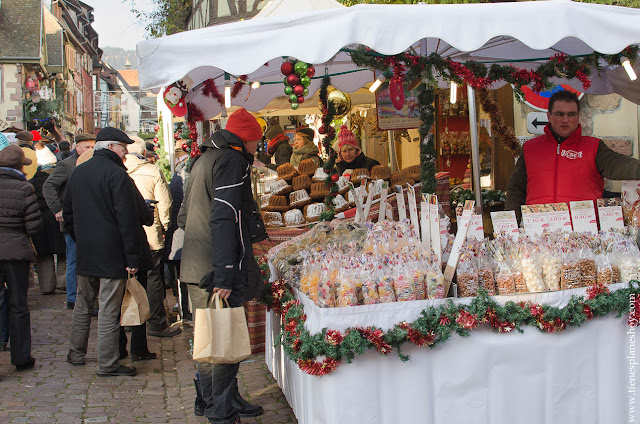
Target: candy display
x,y
348,265
553,261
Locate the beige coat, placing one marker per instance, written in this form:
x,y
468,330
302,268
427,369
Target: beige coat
x,y
152,185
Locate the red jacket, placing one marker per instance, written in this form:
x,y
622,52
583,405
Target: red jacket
x,y
562,172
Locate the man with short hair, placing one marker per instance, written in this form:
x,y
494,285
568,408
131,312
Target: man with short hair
x,y
53,191
150,181
563,165
101,214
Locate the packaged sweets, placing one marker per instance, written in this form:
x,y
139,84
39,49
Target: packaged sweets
x,y
347,287
385,285
417,280
519,282
588,269
467,280
402,284
532,273
485,277
551,270
504,280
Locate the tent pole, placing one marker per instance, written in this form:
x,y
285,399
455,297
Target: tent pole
x,y
392,151
475,150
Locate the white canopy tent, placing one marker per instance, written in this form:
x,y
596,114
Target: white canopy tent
x,y
488,33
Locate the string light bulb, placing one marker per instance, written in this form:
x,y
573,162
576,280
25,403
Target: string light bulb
x,y
453,94
227,91
255,84
626,64
377,83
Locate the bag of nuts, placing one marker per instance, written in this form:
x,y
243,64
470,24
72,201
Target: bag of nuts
x,y
588,269
467,279
570,272
605,270
504,279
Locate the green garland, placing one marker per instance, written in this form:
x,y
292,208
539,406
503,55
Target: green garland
x,y
477,75
328,113
435,325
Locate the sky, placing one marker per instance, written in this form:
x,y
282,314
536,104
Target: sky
x,y
116,25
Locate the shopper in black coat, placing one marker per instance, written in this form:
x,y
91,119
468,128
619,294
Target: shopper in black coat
x,y
19,219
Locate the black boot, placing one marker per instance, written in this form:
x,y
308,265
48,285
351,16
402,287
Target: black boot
x,y
199,405
246,409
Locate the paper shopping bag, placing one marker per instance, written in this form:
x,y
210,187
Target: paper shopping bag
x,y
135,304
220,335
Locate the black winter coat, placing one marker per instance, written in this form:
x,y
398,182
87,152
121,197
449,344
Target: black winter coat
x,y
102,212
177,194
54,187
361,161
19,217
49,240
216,215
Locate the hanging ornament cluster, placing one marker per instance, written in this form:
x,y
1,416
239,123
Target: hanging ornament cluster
x,y
297,77
189,135
175,95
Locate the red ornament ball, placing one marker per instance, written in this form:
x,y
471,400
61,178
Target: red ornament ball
x,y
335,177
293,80
286,68
300,99
156,128
322,130
311,71
176,135
185,146
156,139
298,90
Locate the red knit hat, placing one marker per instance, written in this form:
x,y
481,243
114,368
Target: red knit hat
x,y
346,137
244,125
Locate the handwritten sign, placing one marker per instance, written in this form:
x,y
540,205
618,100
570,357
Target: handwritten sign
x,y
583,215
504,222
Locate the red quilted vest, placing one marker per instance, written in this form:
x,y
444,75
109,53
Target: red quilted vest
x,y
562,172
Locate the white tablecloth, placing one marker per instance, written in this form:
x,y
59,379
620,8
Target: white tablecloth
x,y
578,376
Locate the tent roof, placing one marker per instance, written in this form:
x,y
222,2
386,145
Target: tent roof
x,y
286,7
495,32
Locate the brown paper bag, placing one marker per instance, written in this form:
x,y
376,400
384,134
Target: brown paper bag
x,y
220,335
135,304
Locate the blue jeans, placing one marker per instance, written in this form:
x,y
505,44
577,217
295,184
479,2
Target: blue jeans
x,y
72,282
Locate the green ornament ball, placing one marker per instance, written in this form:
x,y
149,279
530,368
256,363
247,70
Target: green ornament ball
x,y
294,106
293,98
305,81
306,92
285,80
301,68
288,90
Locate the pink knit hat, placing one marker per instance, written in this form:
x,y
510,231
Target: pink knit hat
x,y
346,137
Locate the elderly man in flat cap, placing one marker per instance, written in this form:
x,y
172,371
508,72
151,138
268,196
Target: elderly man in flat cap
x,y
53,191
102,213
25,141
20,220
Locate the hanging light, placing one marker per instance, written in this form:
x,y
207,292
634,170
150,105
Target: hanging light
x,y
626,64
377,83
227,91
255,84
453,94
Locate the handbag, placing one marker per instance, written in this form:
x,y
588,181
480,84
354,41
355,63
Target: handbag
x,y
135,304
220,335
176,245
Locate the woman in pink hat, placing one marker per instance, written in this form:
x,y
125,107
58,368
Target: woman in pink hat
x,y
349,154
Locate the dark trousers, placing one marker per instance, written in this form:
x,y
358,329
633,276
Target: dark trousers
x,y
138,332
156,293
16,275
219,390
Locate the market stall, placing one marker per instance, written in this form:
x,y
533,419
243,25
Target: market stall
x,y
578,376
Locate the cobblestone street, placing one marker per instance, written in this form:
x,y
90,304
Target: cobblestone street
x,y
162,392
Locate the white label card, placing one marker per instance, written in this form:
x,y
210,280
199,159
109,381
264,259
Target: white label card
x,y
476,227
402,208
504,222
413,210
583,215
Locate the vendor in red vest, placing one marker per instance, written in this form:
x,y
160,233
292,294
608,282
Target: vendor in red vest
x,y
563,165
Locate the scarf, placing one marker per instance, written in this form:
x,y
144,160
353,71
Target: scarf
x,y
275,142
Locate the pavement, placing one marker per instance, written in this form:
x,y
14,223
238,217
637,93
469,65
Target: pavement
x,y
162,392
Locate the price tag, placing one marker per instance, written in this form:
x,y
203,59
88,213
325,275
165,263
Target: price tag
x,y
463,229
534,219
382,213
413,210
476,227
434,221
558,217
583,215
402,208
610,214
505,222
425,225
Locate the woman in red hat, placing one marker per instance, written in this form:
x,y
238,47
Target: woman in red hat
x,y
350,155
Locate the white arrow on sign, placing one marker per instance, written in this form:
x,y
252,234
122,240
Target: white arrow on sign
x,y
536,122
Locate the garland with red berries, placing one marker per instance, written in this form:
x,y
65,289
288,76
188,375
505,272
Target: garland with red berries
x,y
321,353
328,112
